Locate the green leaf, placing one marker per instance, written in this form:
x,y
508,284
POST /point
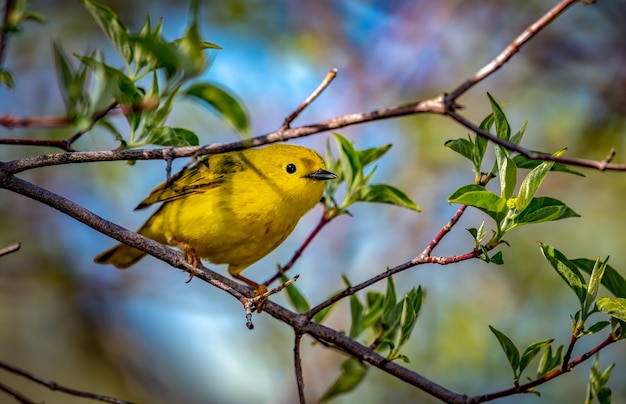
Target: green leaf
x,y
613,306
356,314
531,183
496,258
390,297
481,143
462,146
71,82
548,363
597,327
480,198
531,352
351,166
506,171
391,323
612,280
352,373
126,93
191,44
517,137
597,382
221,101
114,29
168,136
368,156
6,79
594,283
511,352
375,302
566,269
412,306
544,209
524,162
296,298
383,193
322,314
166,55
503,129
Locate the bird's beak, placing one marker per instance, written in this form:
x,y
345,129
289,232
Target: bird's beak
x,y
321,175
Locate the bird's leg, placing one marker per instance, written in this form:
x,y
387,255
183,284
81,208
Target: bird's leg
x,y
258,289
190,253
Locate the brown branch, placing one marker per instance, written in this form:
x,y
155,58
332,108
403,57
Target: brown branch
x,y
297,364
444,230
523,388
512,49
12,121
54,386
604,165
16,395
324,220
325,83
63,144
12,248
434,105
300,323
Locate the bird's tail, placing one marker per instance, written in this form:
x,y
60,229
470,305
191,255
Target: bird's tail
x,y
123,256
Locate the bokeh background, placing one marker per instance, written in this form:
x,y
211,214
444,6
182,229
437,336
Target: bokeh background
x,y
146,336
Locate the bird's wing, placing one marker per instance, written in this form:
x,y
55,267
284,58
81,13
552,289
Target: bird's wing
x,y
204,175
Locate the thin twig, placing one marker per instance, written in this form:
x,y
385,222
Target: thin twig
x,y
54,386
10,249
330,76
324,220
598,165
297,365
444,230
16,395
512,49
63,144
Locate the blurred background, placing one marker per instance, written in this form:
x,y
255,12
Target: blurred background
x,y
147,336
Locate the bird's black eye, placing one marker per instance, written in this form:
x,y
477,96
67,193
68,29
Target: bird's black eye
x,y
291,168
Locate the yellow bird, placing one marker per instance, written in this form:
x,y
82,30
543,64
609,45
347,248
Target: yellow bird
x,y
232,208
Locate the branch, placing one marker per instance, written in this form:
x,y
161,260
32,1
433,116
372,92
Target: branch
x,y
64,144
603,165
297,364
300,323
324,220
12,248
327,80
54,386
556,373
512,49
434,105
16,395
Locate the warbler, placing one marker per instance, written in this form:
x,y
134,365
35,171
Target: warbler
x,y
232,208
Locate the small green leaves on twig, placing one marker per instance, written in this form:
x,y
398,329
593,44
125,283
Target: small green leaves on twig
x,y
586,292
507,209
144,54
598,380
350,169
518,363
385,323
